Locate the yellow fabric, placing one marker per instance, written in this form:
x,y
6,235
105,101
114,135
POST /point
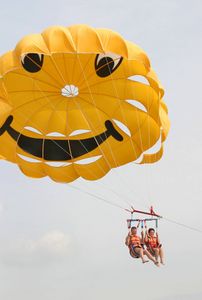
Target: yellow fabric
x,y
65,92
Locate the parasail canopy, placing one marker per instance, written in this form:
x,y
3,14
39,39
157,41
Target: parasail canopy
x,y
78,101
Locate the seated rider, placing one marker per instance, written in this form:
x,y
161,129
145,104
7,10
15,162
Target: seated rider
x,y
134,243
153,245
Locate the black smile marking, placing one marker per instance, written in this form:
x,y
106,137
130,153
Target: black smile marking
x,y
59,150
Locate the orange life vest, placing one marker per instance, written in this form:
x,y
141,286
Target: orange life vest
x,y
152,241
135,240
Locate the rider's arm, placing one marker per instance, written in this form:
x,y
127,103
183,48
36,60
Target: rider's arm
x,y
146,237
142,237
158,241
142,240
127,240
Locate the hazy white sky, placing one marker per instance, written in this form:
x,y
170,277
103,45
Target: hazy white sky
x,y
57,242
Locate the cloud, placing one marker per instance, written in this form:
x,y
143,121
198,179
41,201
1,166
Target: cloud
x,y
53,246
54,243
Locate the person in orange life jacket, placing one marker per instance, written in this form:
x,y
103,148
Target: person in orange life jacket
x,y
134,243
153,245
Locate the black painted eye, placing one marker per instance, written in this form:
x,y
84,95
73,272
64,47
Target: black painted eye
x,y
32,62
106,64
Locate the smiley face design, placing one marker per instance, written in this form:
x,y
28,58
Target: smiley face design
x,y
77,102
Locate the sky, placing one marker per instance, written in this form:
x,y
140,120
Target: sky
x,y
59,242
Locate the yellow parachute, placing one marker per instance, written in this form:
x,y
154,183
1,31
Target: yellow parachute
x,y
72,104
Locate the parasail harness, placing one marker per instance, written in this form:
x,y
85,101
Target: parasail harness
x,y
142,222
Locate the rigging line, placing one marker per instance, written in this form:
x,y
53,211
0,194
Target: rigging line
x,y
116,205
89,88
80,142
78,105
122,112
122,208
54,106
98,197
90,125
61,76
120,102
85,78
147,170
183,225
57,71
48,99
139,132
62,119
